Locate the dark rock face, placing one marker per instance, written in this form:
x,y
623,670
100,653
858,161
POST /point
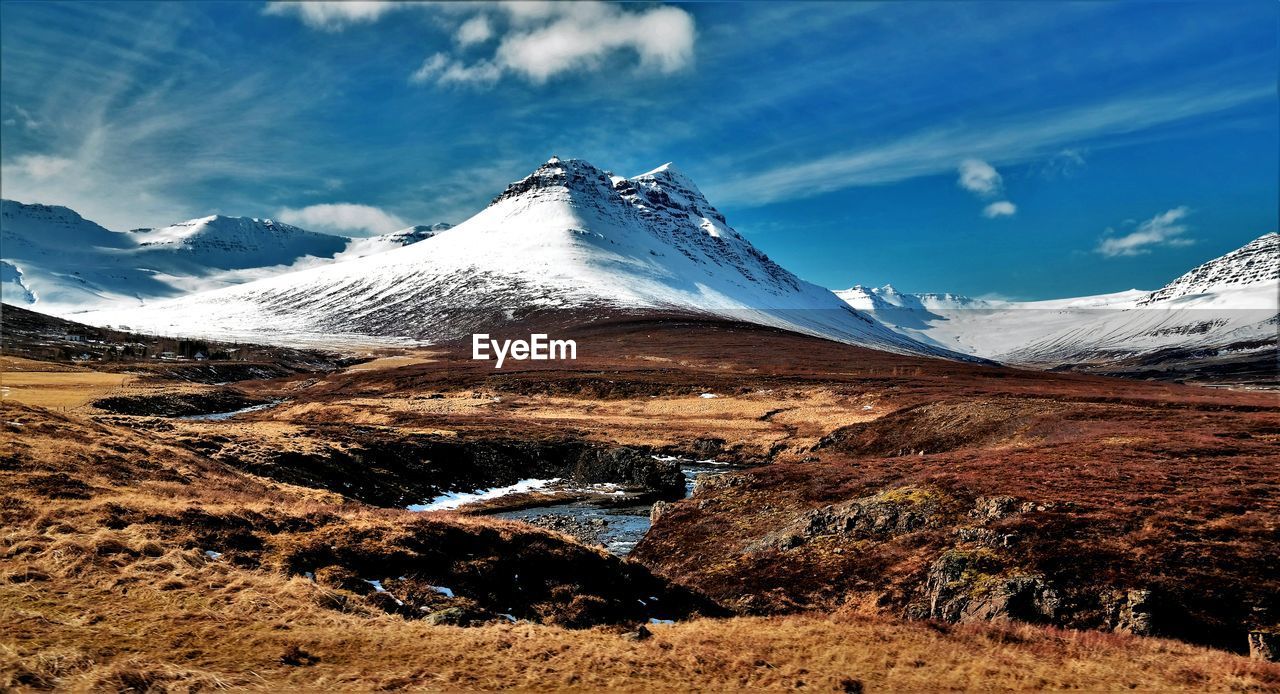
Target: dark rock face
x,y
1130,611
1264,645
890,514
626,466
959,588
878,516
177,404
398,471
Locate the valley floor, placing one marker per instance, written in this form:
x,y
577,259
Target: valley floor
x,y
894,523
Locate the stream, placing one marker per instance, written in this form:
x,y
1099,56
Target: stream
x,y
219,416
619,528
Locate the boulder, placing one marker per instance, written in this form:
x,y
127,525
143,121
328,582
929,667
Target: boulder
x,y
642,633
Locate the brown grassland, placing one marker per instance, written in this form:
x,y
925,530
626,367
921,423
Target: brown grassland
x,y
139,553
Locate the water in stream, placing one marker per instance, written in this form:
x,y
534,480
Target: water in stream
x,y
219,416
619,527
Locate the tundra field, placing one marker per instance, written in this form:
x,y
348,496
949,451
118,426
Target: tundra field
x,y
884,522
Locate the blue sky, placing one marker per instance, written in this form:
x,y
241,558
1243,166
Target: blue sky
x,y
1018,149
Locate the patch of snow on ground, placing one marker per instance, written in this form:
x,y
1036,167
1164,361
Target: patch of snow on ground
x,y
452,500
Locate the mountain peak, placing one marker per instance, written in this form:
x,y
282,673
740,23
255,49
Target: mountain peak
x,y
573,175
1255,262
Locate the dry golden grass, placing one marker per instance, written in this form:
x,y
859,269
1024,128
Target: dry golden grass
x,y
63,387
394,362
177,621
59,389
759,419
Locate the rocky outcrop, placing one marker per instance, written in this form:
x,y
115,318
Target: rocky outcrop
x,y
883,516
888,514
960,587
1130,611
625,466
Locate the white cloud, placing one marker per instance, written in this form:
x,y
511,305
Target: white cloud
x,y
1002,208
342,218
474,30
980,178
536,41
581,35
38,166
1011,140
327,15
1164,229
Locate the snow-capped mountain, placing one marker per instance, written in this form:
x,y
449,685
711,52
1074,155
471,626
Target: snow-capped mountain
x,y
360,247
569,236
59,262
1229,304
1253,264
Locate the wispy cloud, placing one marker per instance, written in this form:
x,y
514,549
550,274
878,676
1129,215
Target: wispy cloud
x,y
343,218
1064,164
1001,208
1010,140
126,135
1164,229
39,167
23,117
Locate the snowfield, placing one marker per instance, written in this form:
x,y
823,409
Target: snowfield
x,y
1229,303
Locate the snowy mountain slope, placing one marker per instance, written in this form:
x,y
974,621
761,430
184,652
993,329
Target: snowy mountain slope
x,y
1229,303
568,236
981,327
59,262
230,243
360,247
1253,264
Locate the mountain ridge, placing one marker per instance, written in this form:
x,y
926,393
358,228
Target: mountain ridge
x,y
59,262
568,236
1224,307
